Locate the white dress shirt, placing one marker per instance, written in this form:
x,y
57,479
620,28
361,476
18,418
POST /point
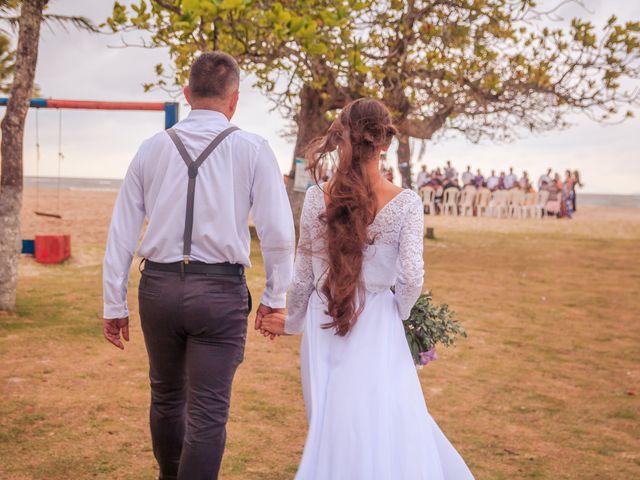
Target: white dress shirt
x,y
467,178
510,180
241,174
492,182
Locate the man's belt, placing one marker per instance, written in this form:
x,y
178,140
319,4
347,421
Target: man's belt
x,y
228,269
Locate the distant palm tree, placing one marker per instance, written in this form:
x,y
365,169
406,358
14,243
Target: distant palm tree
x,y
18,68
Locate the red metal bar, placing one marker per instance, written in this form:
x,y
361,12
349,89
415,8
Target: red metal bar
x,y
98,105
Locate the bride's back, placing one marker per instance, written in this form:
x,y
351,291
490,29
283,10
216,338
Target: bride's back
x,y
381,263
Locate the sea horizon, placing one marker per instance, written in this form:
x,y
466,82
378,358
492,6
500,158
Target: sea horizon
x,y
616,200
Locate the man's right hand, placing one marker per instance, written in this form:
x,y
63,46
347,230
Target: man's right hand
x,y
260,313
111,329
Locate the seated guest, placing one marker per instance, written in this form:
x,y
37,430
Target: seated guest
x,y
423,177
544,178
510,180
433,180
450,184
478,180
493,181
467,176
450,173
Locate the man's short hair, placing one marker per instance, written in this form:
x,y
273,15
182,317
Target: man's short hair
x,y
214,74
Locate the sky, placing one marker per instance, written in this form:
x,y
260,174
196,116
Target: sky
x,y
100,144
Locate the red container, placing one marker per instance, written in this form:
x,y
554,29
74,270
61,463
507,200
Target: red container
x,y
53,248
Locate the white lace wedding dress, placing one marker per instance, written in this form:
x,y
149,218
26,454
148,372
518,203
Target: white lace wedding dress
x,y
367,416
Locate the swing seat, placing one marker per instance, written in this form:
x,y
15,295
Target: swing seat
x,y
52,248
52,215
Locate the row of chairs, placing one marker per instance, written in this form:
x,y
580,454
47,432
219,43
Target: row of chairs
x,y
483,202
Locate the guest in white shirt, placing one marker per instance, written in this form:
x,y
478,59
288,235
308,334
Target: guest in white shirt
x,y
193,296
450,173
544,178
467,176
493,181
510,180
423,177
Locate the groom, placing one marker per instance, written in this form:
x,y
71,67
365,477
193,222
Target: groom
x,y
195,183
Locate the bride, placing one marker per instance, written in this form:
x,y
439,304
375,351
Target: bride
x,y
360,235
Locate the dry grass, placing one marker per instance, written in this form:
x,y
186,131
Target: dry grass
x,y
546,386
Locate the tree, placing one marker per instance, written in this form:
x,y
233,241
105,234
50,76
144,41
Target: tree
x,y
489,68
303,53
483,68
23,71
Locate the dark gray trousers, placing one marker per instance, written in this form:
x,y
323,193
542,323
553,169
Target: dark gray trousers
x,y
194,330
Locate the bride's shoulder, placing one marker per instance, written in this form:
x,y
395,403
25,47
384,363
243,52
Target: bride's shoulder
x,y
313,193
408,198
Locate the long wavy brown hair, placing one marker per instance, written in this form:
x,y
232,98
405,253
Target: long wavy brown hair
x,y
358,134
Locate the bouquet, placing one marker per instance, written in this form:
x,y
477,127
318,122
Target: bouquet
x,y
428,325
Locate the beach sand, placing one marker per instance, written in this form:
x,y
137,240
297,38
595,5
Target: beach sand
x,y
546,386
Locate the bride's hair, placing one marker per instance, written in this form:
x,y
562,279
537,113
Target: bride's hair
x,y
358,134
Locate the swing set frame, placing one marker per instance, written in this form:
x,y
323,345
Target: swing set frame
x,y
170,109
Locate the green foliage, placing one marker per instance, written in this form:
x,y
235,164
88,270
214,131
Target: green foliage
x,y
482,68
429,325
284,44
7,62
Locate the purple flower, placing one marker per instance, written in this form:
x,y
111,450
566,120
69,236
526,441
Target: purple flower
x,y
426,357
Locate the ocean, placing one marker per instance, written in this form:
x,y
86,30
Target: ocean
x,y
112,185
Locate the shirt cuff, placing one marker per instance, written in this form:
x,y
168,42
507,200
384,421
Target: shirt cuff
x,y
115,311
272,300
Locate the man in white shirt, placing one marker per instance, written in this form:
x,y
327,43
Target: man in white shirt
x,y
423,177
467,176
510,180
493,181
450,173
544,178
193,297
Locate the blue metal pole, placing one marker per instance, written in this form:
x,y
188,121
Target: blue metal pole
x,y
170,114
35,102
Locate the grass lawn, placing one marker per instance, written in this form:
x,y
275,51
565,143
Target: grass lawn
x,y
547,385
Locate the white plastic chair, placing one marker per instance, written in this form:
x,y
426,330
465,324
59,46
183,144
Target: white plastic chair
x,y
516,202
499,203
450,201
528,205
483,197
428,195
538,208
467,199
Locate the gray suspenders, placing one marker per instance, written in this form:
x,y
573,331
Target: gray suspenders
x,y
192,166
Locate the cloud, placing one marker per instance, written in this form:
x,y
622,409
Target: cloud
x,y
78,65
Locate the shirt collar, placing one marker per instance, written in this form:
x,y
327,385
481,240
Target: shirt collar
x,y
202,114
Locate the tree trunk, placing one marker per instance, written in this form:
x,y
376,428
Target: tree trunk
x,y
404,160
11,148
312,123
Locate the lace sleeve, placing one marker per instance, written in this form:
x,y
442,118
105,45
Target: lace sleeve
x,y
411,275
303,279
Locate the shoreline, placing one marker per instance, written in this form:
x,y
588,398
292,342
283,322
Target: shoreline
x,y
606,200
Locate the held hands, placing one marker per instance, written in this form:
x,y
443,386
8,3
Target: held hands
x,y
270,321
111,330
274,323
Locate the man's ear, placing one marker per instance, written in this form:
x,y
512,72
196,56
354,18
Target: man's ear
x,y
386,148
187,93
233,102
